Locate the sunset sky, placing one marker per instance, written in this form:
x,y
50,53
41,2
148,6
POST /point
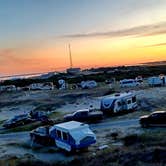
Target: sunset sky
x,y
34,34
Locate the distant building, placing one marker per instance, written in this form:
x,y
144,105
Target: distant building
x,y
73,71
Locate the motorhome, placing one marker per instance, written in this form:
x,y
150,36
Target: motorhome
x,y
42,86
155,81
119,102
129,83
72,135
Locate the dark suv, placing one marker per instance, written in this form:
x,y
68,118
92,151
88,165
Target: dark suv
x,y
17,120
157,118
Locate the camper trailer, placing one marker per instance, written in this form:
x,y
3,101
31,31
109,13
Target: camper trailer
x,y
155,81
88,84
119,102
129,83
8,88
72,135
42,86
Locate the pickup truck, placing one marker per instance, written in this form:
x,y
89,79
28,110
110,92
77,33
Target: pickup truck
x,y
84,115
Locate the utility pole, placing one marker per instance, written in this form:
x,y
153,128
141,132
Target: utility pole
x,y
71,63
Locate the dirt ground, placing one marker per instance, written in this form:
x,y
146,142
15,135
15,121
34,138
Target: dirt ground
x,y
57,103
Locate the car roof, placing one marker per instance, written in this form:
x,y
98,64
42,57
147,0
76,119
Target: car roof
x,y
160,112
83,110
70,125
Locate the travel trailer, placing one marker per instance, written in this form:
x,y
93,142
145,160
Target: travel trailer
x,y
155,81
129,83
42,86
72,135
119,103
88,84
8,88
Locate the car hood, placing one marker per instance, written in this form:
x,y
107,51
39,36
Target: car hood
x,y
145,116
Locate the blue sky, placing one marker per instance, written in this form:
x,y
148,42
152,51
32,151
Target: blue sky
x,y
39,19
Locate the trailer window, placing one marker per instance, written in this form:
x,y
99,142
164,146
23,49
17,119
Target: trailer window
x,y
58,133
133,99
119,103
65,137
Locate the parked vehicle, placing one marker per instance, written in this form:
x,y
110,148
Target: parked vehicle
x,y
42,86
38,115
157,118
84,115
139,79
155,81
17,121
129,83
42,136
120,102
62,84
163,78
8,88
88,84
72,135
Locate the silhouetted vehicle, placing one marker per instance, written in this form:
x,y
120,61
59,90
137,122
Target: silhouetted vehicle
x,y
157,118
41,136
84,115
17,121
40,116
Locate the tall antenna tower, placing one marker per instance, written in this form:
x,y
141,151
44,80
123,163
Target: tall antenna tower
x,y
71,63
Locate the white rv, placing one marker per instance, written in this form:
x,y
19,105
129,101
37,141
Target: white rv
x,y
129,83
62,84
88,84
119,102
42,86
72,135
8,88
155,81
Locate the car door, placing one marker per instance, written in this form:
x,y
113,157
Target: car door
x,y
155,119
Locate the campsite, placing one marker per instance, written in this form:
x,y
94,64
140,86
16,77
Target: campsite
x,y
110,132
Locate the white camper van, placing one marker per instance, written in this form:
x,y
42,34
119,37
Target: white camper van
x,y
72,135
119,102
155,81
8,88
128,83
42,86
88,84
